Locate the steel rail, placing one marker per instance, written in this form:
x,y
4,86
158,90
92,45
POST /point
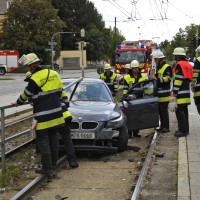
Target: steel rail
x,y
144,168
33,184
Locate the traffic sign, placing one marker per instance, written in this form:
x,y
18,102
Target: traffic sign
x,y
52,43
47,49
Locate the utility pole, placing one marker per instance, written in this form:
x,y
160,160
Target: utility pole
x,y
197,36
115,33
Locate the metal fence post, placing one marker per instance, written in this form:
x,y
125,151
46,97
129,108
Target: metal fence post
x,y
3,161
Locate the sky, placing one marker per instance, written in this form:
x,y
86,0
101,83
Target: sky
x,y
155,20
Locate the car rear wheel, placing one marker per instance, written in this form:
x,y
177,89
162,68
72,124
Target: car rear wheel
x,y
122,139
2,71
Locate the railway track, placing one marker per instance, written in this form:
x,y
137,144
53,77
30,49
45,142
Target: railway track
x,y
128,164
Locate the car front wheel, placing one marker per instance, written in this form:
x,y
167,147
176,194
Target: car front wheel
x,y
122,139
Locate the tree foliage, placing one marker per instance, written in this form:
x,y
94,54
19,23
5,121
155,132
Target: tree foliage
x,y
186,38
28,27
82,14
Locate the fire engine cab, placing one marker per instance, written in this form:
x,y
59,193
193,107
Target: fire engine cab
x,y
132,50
8,61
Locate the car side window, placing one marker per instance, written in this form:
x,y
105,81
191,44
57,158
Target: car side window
x,y
143,90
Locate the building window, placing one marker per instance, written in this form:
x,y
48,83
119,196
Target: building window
x,y
8,4
71,62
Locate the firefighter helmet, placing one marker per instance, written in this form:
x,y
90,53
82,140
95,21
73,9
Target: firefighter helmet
x,y
179,51
28,76
107,66
158,55
127,66
134,64
28,59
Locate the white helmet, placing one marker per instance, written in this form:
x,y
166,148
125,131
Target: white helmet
x,y
179,51
107,66
28,59
134,64
158,54
127,66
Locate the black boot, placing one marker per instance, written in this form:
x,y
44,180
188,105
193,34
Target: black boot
x,y
136,133
73,164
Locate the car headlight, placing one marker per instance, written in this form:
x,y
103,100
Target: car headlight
x,y
116,123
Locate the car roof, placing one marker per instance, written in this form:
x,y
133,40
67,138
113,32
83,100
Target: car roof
x,y
95,80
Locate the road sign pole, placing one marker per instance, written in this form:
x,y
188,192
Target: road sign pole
x,y
82,43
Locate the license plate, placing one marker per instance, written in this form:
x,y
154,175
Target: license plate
x,y
82,135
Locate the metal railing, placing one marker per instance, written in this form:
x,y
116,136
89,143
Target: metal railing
x,y
3,139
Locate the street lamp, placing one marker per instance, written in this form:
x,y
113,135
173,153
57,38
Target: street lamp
x,y
52,43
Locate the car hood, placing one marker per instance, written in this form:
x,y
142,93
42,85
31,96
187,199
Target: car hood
x,y
94,111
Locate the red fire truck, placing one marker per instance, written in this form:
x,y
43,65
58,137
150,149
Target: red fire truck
x,y
132,50
8,61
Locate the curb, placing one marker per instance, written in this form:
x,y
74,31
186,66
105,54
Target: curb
x,y
183,173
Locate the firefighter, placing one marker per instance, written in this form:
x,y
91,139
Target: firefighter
x,y
130,79
45,90
64,131
127,68
181,91
162,75
110,78
195,84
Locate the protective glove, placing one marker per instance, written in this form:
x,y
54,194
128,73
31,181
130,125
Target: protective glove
x,y
173,104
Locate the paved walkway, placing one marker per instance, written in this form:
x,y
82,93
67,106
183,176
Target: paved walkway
x,y
189,159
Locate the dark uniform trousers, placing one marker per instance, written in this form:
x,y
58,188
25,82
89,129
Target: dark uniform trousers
x,y
65,131
182,117
197,103
164,115
48,146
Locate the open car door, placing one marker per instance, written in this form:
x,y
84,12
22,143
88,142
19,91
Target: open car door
x,y
141,106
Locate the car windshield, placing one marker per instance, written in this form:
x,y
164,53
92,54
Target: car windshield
x,y
128,56
89,91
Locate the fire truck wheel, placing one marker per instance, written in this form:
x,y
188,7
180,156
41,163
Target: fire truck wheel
x,y
2,71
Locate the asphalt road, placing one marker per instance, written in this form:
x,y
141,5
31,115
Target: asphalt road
x,y
12,84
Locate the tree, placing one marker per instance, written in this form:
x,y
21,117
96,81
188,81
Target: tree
x,y
29,26
186,38
82,14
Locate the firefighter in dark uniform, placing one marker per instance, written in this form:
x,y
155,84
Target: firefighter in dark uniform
x,y
162,75
110,78
130,79
45,90
64,131
183,73
195,84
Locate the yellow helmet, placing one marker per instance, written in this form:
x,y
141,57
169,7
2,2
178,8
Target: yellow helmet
x,y
179,51
28,59
127,66
158,54
107,66
28,76
134,64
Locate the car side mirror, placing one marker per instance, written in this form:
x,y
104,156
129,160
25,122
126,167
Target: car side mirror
x,y
125,104
130,97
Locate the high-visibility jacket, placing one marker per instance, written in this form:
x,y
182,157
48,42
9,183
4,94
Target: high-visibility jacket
x,y
163,75
196,77
129,81
110,80
65,105
45,90
182,82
